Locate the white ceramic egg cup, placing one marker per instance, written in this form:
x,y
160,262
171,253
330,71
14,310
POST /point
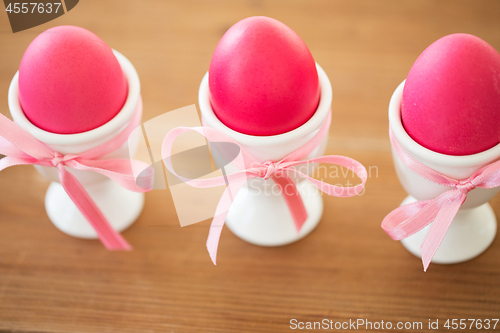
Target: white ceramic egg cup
x,y
474,227
258,215
120,206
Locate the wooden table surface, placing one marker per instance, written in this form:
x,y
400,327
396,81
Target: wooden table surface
x,y
347,268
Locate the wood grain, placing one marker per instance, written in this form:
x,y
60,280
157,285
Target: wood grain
x,y
347,268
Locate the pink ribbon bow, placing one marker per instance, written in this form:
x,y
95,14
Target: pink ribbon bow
x,y
278,171
408,219
21,148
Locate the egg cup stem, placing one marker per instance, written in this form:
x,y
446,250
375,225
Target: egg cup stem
x,y
120,206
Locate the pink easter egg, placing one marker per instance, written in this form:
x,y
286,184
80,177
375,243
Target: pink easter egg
x,y
70,81
263,78
451,98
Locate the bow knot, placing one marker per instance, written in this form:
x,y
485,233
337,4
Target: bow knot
x,y
465,186
60,159
269,169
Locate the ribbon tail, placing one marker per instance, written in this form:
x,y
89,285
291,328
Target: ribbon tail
x,y
111,239
438,229
214,235
404,221
293,199
220,216
409,219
